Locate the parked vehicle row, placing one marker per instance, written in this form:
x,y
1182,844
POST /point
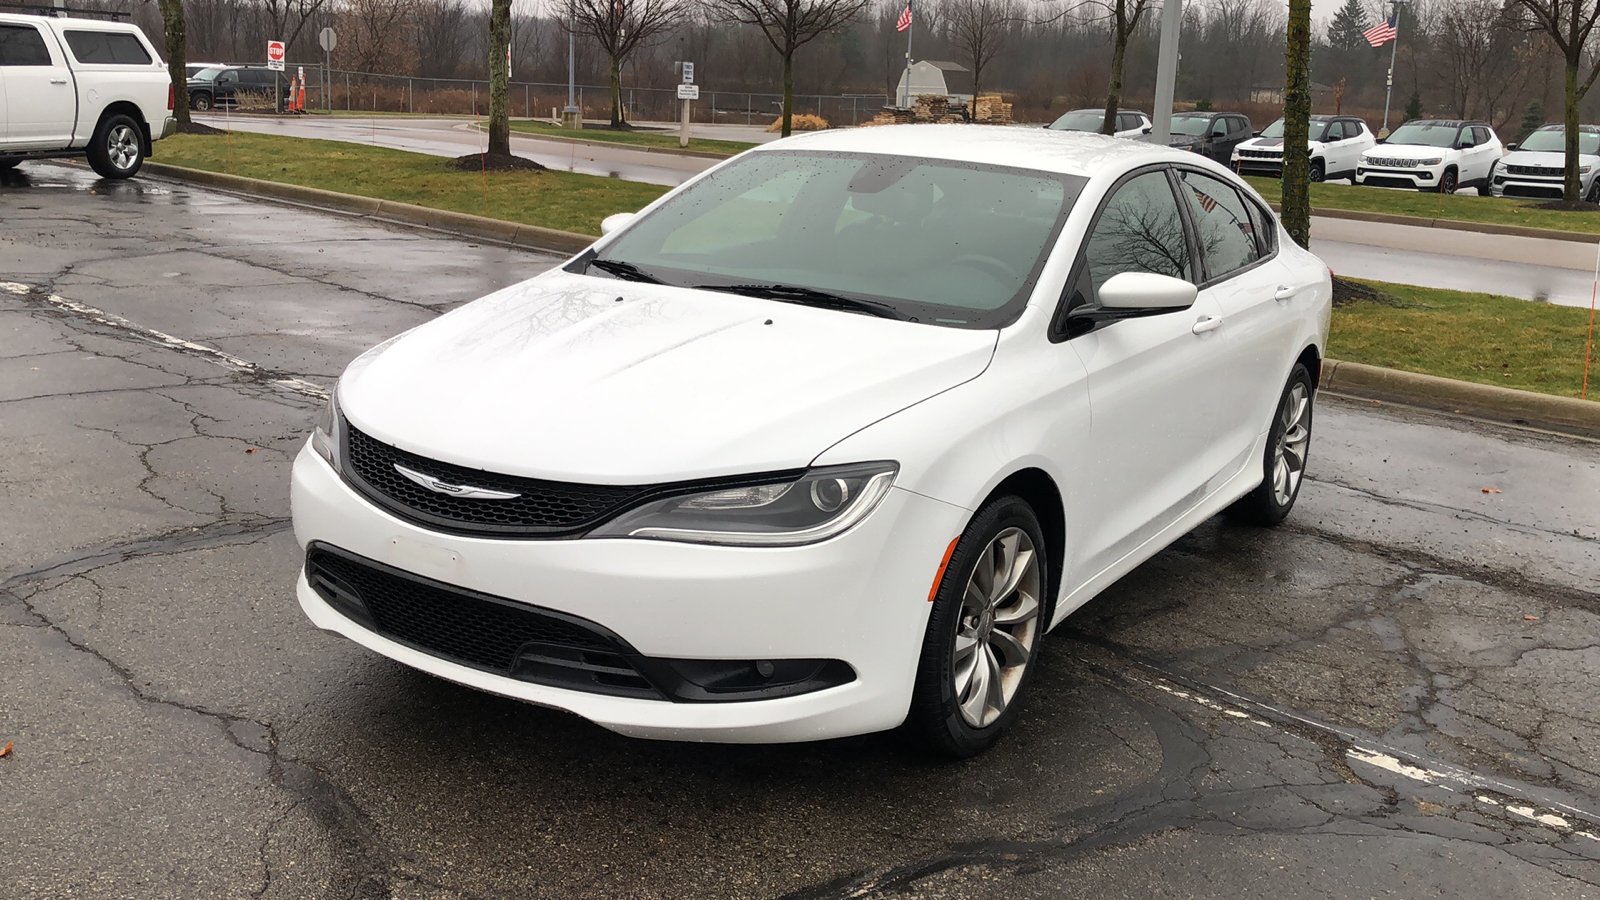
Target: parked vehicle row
x,y
80,87
232,87
1130,122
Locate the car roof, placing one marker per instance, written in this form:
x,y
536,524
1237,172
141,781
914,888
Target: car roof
x,y
1444,123
1041,149
1136,112
1586,129
76,22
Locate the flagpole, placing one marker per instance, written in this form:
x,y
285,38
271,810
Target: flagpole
x,y
911,28
1389,91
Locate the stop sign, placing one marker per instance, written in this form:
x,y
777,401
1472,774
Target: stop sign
x,y
275,55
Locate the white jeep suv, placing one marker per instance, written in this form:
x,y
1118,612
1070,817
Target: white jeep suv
x,y
1440,155
1537,166
1337,143
80,87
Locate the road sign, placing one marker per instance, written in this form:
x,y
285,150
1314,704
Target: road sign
x,y
327,39
688,73
275,55
688,92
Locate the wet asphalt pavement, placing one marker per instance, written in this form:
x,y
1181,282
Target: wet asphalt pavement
x,y
1395,694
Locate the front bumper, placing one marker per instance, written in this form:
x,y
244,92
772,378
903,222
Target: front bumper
x,y
1504,185
1383,176
860,598
1259,165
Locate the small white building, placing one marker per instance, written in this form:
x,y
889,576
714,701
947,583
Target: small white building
x,y
931,76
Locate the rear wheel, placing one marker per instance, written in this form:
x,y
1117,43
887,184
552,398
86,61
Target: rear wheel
x,y
1288,444
6,164
117,148
200,101
983,633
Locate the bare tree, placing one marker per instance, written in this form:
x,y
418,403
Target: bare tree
x,y
1569,24
1484,60
620,27
377,32
978,29
789,25
177,49
1124,16
282,13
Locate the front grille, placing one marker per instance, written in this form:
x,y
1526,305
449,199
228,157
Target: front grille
x,y
1380,181
1535,171
1528,190
1390,162
473,629
541,508
1262,154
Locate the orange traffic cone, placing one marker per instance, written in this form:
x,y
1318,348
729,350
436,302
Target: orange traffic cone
x,y
300,99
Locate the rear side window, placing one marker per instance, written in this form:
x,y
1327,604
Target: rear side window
x,y
22,45
107,48
1227,232
1480,134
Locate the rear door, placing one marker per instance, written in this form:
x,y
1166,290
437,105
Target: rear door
x,y
1156,412
41,101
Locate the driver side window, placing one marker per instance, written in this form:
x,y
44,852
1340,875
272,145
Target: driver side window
x,y
1219,128
1139,230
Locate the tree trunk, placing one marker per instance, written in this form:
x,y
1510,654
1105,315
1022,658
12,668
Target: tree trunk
x,y
788,91
1119,51
500,77
616,92
177,57
1570,185
1296,212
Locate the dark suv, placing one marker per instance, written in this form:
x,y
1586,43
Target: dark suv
x,y
1210,134
237,86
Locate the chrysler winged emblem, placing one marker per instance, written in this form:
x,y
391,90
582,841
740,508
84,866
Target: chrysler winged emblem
x,y
454,490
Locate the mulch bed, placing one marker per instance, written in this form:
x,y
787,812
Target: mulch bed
x,y
1347,293
1564,206
494,162
197,128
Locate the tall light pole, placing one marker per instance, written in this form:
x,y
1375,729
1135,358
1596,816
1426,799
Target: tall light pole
x,y
572,116
1166,72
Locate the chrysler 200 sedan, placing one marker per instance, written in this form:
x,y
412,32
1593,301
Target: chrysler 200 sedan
x,y
823,441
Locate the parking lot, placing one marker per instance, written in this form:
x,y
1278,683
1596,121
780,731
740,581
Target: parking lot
x,y
1395,694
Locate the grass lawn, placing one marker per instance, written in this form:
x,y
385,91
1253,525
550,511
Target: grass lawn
x,y
1461,207
1470,337
668,140
561,200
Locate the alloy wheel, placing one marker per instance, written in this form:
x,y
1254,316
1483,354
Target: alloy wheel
x,y
1289,457
998,627
122,145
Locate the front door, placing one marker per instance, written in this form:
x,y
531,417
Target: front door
x,y
41,102
1156,417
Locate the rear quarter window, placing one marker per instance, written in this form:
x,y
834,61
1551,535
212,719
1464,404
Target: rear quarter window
x,y
118,48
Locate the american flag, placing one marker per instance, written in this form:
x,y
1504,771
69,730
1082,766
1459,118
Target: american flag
x,y
1381,33
1207,202
904,21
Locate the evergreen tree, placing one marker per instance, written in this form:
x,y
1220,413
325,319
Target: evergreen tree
x,y
1532,118
1346,30
1414,107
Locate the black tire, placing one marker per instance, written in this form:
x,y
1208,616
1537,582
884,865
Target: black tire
x,y
1319,171
8,164
1266,505
936,721
1594,192
1448,182
117,148
200,101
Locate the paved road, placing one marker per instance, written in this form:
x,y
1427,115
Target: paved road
x,y
1393,695
1550,271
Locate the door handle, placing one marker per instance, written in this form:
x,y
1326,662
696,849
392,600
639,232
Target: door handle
x,y
1207,323
1284,292
58,81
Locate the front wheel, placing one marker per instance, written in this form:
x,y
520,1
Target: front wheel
x,y
1319,171
1284,466
1448,182
117,148
983,633
200,102
6,164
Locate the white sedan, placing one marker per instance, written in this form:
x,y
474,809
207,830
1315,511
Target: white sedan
x,y
822,442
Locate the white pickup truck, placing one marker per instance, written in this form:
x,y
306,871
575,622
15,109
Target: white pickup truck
x,y
80,87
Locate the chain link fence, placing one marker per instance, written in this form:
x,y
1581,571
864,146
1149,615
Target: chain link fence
x,y
336,90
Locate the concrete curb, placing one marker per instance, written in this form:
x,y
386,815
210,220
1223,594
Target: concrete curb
x,y
615,145
517,234
1547,234
1484,401
1348,378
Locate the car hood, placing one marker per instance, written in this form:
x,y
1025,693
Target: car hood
x,y
578,378
1273,144
1547,158
1406,151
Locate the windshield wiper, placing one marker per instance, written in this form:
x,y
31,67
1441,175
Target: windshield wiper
x,y
627,271
805,296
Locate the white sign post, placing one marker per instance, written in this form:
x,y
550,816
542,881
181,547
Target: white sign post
x,y
328,40
687,93
275,63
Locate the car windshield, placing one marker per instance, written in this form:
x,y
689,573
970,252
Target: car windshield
x,y
948,243
1555,140
1275,130
1080,120
1193,126
1425,134
209,74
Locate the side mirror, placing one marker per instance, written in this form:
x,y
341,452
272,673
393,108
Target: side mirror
x,y
1255,134
614,222
1147,291
1510,147
1147,129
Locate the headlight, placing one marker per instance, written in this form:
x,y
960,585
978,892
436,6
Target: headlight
x,y
1430,162
816,506
325,437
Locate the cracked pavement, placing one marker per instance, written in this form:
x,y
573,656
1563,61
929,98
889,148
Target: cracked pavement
x,y
1397,693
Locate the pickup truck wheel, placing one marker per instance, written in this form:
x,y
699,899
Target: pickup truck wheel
x,y
200,101
7,164
117,148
